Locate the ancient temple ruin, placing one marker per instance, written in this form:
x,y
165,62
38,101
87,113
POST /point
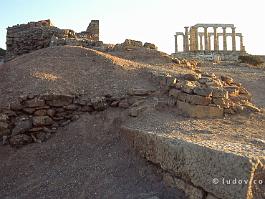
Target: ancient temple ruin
x,y
25,38
206,44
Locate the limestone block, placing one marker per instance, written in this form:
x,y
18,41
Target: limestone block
x,y
199,111
188,86
42,121
203,91
202,166
219,93
194,99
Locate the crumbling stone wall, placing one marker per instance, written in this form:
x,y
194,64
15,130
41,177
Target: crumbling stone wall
x,y
25,38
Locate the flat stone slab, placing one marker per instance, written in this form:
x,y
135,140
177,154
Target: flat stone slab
x,y
223,168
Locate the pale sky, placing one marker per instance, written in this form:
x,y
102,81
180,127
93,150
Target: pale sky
x,y
153,21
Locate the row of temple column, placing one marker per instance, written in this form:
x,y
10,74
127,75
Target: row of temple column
x,y
190,39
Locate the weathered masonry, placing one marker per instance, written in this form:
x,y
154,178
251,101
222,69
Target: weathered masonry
x,y
25,38
199,42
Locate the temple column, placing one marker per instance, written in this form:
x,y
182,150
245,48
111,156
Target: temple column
x,y
201,45
209,42
186,39
224,39
216,40
196,40
217,46
176,43
242,47
206,38
233,38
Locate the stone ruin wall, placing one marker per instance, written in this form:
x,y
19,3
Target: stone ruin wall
x,y
25,38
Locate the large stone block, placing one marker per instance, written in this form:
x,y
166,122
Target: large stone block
x,y
42,121
199,111
202,166
192,99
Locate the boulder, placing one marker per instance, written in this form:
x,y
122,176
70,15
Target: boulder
x,y
42,121
51,112
21,126
99,103
40,112
199,111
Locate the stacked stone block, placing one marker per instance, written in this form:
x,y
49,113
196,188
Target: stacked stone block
x,y
205,95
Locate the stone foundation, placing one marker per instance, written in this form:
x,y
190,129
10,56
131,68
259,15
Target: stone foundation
x,y
210,56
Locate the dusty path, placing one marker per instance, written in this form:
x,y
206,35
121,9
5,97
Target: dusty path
x,y
251,78
87,159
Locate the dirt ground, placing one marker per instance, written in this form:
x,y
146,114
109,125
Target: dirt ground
x,y
86,159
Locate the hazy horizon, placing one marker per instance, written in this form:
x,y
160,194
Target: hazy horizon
x,y
154,21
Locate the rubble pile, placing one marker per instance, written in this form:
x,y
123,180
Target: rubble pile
x,y
205,95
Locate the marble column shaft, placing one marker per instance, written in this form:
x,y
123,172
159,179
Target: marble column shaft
x,y
234,39
176,43
206,38
216,39
201,45
186,39
224,39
